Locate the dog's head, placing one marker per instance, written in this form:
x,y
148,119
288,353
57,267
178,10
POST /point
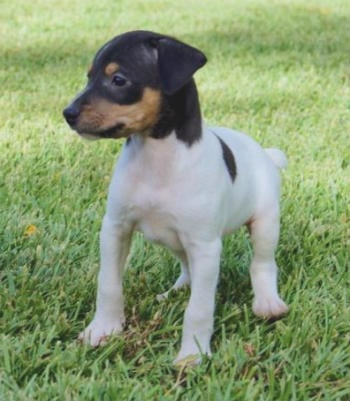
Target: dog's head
x,y
129,79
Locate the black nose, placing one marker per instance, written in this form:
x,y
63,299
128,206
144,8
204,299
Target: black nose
x,y
71,114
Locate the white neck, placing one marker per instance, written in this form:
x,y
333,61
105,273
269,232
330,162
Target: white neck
x,y
154,158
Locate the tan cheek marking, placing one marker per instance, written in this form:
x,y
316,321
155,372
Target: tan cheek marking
x,y
111,68
136,117
146,112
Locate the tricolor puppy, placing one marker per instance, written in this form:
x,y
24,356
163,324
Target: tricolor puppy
x,y
181,183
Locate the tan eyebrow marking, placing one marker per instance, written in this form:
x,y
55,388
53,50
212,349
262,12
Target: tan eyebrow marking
x,y
111,68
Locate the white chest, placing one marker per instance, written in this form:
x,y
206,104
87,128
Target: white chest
x,y
157,220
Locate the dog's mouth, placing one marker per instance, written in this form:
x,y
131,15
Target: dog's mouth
x,y
113,132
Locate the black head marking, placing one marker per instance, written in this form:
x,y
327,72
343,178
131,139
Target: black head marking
x,y
177,62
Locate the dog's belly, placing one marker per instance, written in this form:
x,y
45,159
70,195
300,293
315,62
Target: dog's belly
x,y
158,228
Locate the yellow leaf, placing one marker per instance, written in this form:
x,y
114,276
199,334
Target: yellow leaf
x,y
30,230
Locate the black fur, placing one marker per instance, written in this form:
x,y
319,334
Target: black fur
x,y
177,62
180,113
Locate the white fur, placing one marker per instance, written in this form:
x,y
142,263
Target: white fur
x,y
183,198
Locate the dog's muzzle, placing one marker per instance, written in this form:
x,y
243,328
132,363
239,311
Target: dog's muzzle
x,y
71,114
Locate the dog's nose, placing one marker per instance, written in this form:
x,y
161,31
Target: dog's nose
x,y
71,114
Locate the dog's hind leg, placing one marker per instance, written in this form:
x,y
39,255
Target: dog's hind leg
x,y
264,232
183,280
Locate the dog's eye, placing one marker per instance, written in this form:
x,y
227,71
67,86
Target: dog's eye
x,y
118,80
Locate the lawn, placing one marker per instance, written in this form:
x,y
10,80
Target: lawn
x,y
278,70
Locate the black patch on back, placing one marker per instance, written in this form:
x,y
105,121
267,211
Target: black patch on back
x,y
229,159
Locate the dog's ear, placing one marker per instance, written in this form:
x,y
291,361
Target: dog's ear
x,y
177,62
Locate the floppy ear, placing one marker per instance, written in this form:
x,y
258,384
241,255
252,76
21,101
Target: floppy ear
x,y
177,62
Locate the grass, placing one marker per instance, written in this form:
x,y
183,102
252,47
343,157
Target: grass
x,y
277,70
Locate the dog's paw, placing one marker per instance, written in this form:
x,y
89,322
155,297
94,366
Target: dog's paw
x,y
99,330
191,356
186,361
269,307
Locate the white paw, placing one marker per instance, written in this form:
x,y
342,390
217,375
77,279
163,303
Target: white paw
x,y
190,355
98,331
269,307
189,360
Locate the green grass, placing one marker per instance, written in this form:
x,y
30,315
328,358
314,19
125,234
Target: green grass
x,y
277,70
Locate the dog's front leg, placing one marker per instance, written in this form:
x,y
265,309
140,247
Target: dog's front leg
x,y
204,261
109,316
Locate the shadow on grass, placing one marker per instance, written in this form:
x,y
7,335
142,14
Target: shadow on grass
x,y
294,31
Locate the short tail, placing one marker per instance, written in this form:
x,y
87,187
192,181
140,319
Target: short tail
x,y
278,157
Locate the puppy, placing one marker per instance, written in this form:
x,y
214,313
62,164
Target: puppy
x,y
182,184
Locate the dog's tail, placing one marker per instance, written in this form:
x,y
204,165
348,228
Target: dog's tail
x,y
278,157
